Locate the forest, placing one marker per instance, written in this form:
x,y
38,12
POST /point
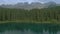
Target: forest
x,y
39,15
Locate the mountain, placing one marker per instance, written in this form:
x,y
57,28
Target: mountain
x,y
58,4
26,5
1,7
50,4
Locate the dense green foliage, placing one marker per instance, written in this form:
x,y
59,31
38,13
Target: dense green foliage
x,y
46,14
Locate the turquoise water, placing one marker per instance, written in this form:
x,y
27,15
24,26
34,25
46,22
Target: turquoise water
x,y
29,28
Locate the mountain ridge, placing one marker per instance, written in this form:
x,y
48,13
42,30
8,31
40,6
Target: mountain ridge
x,y
33,5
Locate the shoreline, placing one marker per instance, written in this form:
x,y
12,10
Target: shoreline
x,y
37,22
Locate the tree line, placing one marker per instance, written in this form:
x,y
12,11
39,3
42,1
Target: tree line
x,y
46,14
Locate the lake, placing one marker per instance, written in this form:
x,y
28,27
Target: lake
x,y
29,28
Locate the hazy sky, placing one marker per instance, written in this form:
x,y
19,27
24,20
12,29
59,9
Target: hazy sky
x,y
15,1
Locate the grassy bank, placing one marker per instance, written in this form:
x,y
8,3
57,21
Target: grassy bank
x,y
28,21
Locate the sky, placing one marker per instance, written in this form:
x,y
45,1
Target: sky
x,y
16,1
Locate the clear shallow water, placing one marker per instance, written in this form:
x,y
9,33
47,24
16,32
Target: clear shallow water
x,y
28,28
27,32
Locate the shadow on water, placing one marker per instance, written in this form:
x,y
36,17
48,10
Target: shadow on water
x,y
29,28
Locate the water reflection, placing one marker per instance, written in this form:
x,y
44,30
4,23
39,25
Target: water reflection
x,y
26,32
28,28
